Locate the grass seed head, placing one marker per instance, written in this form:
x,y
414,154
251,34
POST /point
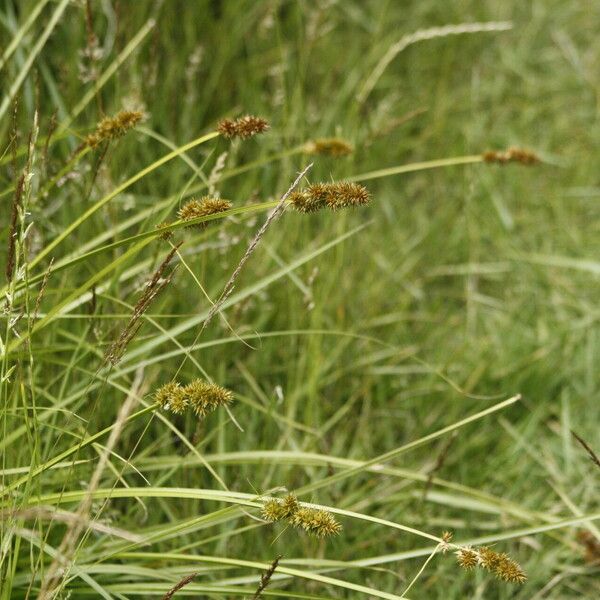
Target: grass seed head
x,y
347,193
204,397
273,511
172,396
112,128
512,155
244,127
202,208
319,523
467,558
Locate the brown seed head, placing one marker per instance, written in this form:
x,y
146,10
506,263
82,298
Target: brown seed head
x,y
509,570
347,193
467,558
244,127
111,128
202,208
512,155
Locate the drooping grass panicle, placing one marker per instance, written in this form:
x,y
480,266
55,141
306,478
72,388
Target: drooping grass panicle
x,y
512,155
203,207
243,128
335,147
112,128
156,284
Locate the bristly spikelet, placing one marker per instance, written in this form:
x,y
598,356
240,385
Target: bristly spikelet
x,y
467,558
273,511
289,505
347,193
111,128
204,397
500,564
512,155
316,522
244,127
202,208
509,570
172,396
167,234
329,147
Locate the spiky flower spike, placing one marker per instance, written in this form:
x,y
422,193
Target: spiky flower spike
x,y
333,195
347,193
111,128
172,396
244,127
329,147
500,564
512,155
319,523
273,510
202,208
204,397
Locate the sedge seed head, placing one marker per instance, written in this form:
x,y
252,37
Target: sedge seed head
x,y
244,127
347,193
509,570
290,505
204,397
335,147
172,396
467,558
111,128
202,208
319,523
272,511
512,155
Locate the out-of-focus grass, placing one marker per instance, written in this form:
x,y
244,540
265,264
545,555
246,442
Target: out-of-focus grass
x,y
479,275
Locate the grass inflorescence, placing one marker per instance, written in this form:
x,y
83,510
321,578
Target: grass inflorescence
x,y
316,522
343,194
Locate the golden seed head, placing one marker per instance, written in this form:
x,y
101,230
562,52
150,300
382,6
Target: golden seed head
x,y
204,397
488,558
289,505
347,193
467,558
244,127
172,396
332,195
202,208
509,570
273,510
111,128
329,147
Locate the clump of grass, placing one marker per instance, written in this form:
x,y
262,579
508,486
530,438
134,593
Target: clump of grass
x,y
335,147
202,208
112,128
244,127
512,155
316,522
343,194
200,396
498,563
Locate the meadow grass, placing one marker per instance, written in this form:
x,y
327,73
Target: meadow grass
x,y
359,401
